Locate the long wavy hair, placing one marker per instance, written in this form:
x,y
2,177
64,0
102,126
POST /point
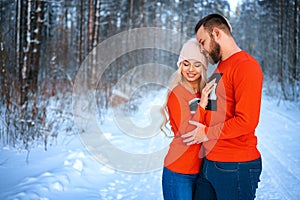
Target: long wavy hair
x,y
176,79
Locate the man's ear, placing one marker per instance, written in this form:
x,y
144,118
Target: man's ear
x,y
216,32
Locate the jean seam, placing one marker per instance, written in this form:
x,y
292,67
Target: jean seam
x,y
239,181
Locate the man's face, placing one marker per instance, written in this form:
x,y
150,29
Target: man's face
x,y
208,45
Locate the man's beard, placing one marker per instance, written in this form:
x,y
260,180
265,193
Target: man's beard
x,y
215,51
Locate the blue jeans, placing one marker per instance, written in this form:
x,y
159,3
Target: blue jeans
x,y
178,186
228,180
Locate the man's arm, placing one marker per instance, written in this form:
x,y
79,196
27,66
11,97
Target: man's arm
x,y
248,91
248,80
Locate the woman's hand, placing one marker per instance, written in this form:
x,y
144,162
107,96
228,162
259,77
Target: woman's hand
x,y
205,92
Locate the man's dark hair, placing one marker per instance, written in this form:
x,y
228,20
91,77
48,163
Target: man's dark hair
x,y
213,20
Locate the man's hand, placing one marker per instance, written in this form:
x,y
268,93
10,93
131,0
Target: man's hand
x,y
195,136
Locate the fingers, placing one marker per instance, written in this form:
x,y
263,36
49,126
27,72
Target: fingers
x,y
194,140
189,137
191,143
189,140
213,81
195,136
189,134
208,87
196,123
205,93
210,84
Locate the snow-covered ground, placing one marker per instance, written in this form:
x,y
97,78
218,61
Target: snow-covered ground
x,y
67,170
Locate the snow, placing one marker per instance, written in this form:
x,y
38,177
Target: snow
x,y
233,4
67,170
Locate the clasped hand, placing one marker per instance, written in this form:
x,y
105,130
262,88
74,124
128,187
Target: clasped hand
x,y
205,93
195,136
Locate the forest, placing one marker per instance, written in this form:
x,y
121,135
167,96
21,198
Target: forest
x,y
47,46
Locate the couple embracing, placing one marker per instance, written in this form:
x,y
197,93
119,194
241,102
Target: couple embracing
x,y
213,154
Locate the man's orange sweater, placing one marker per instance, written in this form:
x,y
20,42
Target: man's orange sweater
x,y
182,107
231,128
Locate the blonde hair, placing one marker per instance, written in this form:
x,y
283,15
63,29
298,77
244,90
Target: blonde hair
x,y
176,79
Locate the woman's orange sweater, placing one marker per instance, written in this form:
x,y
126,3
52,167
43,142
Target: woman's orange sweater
x,y
183,106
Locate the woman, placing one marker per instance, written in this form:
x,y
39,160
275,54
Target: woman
x,y
182,162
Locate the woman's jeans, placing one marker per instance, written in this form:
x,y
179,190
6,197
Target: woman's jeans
x,y
178,186
228,180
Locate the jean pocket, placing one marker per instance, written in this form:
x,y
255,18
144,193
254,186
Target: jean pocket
x,y
226,166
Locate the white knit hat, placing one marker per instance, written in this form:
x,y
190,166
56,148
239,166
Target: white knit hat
x,y
191,51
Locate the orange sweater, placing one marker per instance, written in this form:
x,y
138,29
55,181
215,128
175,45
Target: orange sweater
x,y
180,157
231,130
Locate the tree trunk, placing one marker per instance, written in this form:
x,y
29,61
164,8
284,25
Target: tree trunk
x,y
18,36
96,35
281,49
39,19
5,89
296,63
90,25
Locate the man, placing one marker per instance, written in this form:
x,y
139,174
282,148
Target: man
x,y
232,164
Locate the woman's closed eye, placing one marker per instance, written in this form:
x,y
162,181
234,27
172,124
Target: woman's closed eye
x,y
198,64
186,63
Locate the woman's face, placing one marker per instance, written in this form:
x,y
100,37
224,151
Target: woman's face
x,y
191,70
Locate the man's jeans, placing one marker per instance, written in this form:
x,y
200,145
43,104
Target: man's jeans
x,y
228,180
178,186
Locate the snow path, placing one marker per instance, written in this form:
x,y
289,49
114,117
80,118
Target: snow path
x,y
68,171
279,144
